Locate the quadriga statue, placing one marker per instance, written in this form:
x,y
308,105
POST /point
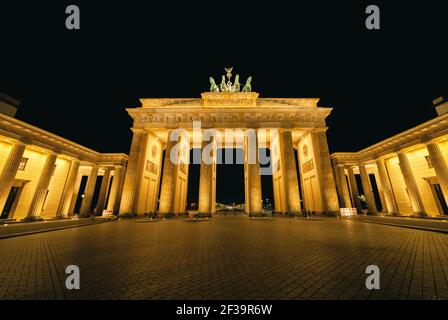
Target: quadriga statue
x,y
213,86
248,87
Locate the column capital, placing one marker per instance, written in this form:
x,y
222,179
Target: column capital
x,y
52,152
429,141
320,129
22,141
139,131
426,139
74,159
362,164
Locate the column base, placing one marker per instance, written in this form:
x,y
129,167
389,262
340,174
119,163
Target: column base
x,y
126,215
332,213
86,215
169,215
420,215
33,219
61,217
257,215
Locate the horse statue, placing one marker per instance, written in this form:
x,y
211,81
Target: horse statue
x,y
223,85
213,86
236,86
248,87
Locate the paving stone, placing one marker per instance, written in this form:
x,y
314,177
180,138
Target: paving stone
x,y
227,258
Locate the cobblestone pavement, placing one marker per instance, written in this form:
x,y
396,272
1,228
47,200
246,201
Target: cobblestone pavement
x,y
227,258
440,225
15,229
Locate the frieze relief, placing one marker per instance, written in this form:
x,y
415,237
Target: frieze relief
x,y
187,119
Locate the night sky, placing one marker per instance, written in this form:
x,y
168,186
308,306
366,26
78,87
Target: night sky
x,y
77,83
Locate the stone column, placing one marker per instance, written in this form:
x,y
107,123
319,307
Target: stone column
x,y
103,192
440,167
380,192
206,181
367,187
168,188
291,184
132,180
354,189
88,194
253,174
411,184
71,209
69,189
343,187
40,192
9,171
325,171
389,199
114,196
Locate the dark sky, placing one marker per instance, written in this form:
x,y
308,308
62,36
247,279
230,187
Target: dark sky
x,y
77,83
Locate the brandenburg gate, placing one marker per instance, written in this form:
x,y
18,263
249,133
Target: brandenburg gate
x,y
284,125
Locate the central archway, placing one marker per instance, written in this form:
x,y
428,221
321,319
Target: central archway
x,y
230,178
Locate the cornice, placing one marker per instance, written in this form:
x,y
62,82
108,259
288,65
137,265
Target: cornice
x,y
29,134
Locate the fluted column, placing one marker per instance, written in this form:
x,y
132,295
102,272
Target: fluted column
x,y
411,184
387,187
103,192
168,188
114,195
367,187
206,181
253,174
40,192
380,192
325,171
88,194
71,209
69,189
345,195
132,180
9,171
440,167
354,189
291,184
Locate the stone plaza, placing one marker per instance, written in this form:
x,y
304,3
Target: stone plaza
x,y
231,257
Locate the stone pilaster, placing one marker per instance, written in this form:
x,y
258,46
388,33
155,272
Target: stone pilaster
x,y
354,189
389,198
103,192
440,167
325,171
88,194
291,184
40,192
367,187
343,187
114,196
9,171
129,198
206,181
252,166
69,189
411,184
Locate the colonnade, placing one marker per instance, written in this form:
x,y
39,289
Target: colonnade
x,y
71,187
385,185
